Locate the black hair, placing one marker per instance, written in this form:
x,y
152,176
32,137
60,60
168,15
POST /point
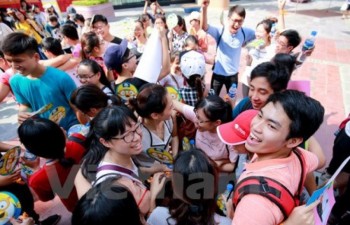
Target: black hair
x,y
162,17
109,122
305,113
98,18
191,38
151,99
181,22
240,10
195,81
91,208
70,31
53,45
215,108
90,96
267,24
53,18
18,43
89,41
194,207
146,16
287,61
79,17
292,36
96,68
44,138
276,76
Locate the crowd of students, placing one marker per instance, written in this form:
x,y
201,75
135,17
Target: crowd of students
x,y
128,162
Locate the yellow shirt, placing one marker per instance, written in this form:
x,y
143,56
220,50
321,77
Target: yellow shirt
x,y
26,28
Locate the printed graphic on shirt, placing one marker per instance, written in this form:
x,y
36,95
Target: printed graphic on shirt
x,y
126,91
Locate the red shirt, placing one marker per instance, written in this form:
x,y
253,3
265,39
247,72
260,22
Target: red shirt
x,y
53,178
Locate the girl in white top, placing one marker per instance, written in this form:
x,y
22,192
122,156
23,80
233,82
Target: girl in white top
x,y
115,136
154,104
207,115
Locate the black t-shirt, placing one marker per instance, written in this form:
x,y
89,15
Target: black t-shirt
x,y
117,40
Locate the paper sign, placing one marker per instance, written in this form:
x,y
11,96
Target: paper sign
x,y
172,20
150,63
160,155
10,207
42,110
326,194
174,93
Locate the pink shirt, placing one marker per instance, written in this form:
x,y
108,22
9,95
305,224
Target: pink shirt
x,y
286,171
210,143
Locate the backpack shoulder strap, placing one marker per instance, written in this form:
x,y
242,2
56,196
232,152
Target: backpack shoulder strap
x,y
342,125
243,36
219,40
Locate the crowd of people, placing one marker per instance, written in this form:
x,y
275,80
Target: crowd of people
x,y
153,148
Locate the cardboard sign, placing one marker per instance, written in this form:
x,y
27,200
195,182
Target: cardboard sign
x,y
10,160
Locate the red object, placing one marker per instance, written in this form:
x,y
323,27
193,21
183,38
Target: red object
x,y
16,3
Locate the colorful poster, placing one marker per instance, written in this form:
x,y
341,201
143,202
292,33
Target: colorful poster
x,y
10,160
326,195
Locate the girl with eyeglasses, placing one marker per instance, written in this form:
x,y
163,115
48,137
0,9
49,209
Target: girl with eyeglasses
x,y
154,104
207,115
90,72
115,136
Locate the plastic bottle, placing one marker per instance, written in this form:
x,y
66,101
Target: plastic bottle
x,y
186,144
192,144
308,44
232,91
221,202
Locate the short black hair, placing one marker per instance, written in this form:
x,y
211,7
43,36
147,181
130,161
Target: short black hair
x,y
240,10
98,18
53,45
306,114
70,31
292,36
53,18
17,43
79,17
277,76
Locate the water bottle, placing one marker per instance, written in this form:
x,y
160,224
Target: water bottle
x,y
308,44
232,91
273,30
186,144
192,144
222,199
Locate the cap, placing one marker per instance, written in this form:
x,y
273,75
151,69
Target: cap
x,y
114,54
237,131
195,15
192,63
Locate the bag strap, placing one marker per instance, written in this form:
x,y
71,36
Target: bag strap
x,y
118,169
217,44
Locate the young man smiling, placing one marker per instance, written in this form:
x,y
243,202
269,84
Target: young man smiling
x,y
230,40
287,119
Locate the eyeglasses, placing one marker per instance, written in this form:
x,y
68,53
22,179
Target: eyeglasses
x,y
85,77
200,121
129,137
240,22
132,55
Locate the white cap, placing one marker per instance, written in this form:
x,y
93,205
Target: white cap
x,y
195,15
192,63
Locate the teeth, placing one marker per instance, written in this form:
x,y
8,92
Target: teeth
x,y
253,137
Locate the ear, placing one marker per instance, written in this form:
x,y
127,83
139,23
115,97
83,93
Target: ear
x,y
155,116
105,143
218,122
290,48
36,56
294,142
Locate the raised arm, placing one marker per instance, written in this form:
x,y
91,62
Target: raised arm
x,y
281,24
165,54
145,7
204,15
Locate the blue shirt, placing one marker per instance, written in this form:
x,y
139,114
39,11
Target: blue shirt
x,y
242,106
54,86
228,53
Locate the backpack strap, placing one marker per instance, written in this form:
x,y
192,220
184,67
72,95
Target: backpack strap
x,y
78,138
217,44
242,29
342,125
271,189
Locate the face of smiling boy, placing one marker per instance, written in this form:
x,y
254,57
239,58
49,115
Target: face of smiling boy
x,y
269,132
